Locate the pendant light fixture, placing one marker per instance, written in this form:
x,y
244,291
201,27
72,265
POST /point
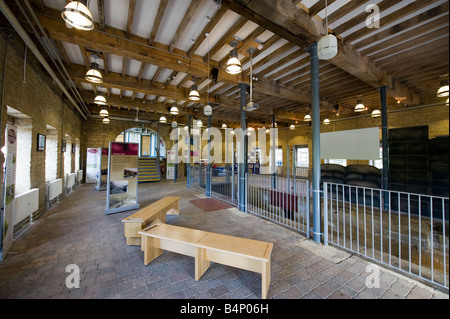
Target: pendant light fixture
x,y
207,110
104,112
292,127
251,106
233,63
106,120
443,90
162,119
93,75
307,117
376,113
76,14
326,121
174,110
194,95
100,99
327,45
199,123
359,106
224,126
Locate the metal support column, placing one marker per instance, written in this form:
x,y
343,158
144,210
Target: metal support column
x,y
188,157
384,145
243,152
312,49
175,165
274,164
208,165
158,152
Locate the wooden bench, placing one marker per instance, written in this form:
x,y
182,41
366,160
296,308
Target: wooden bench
x,y
208,247
144,217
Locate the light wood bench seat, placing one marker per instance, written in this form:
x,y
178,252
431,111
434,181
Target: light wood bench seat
x,y
208,247
144,217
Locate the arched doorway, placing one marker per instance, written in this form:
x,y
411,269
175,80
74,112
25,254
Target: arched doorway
x,y
147,140
149,168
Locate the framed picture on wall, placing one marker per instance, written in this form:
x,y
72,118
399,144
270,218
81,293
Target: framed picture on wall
x,y
41,142
63,146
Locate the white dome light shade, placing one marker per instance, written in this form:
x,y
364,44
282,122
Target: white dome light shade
x,y
292,127
104,112
194,95
162,119
174,110
326,121
106,120
224,125
77,14
359,106
376,113
307,118
94,75
199,123
100,100
443,90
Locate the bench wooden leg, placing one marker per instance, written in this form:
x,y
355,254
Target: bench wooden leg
x,y
201,264
265,274
151,252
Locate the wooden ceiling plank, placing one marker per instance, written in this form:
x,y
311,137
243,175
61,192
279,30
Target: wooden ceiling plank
x,y
399,14
130,19
318,6
410,55
285,47
266,45
344,10
157,22
207,29
101,14
228,36
364,46
301,26
184,23
392,50
362,16
280,63
63,53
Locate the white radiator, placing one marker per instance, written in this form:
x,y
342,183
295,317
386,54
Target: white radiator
x,y
70,180
79,175
26,204
54,189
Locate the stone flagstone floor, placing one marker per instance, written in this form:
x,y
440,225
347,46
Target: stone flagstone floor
x,y
76,231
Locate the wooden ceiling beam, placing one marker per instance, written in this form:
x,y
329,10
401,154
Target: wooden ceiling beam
x,y
114,41
157,22
299,28
208,28
184,23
